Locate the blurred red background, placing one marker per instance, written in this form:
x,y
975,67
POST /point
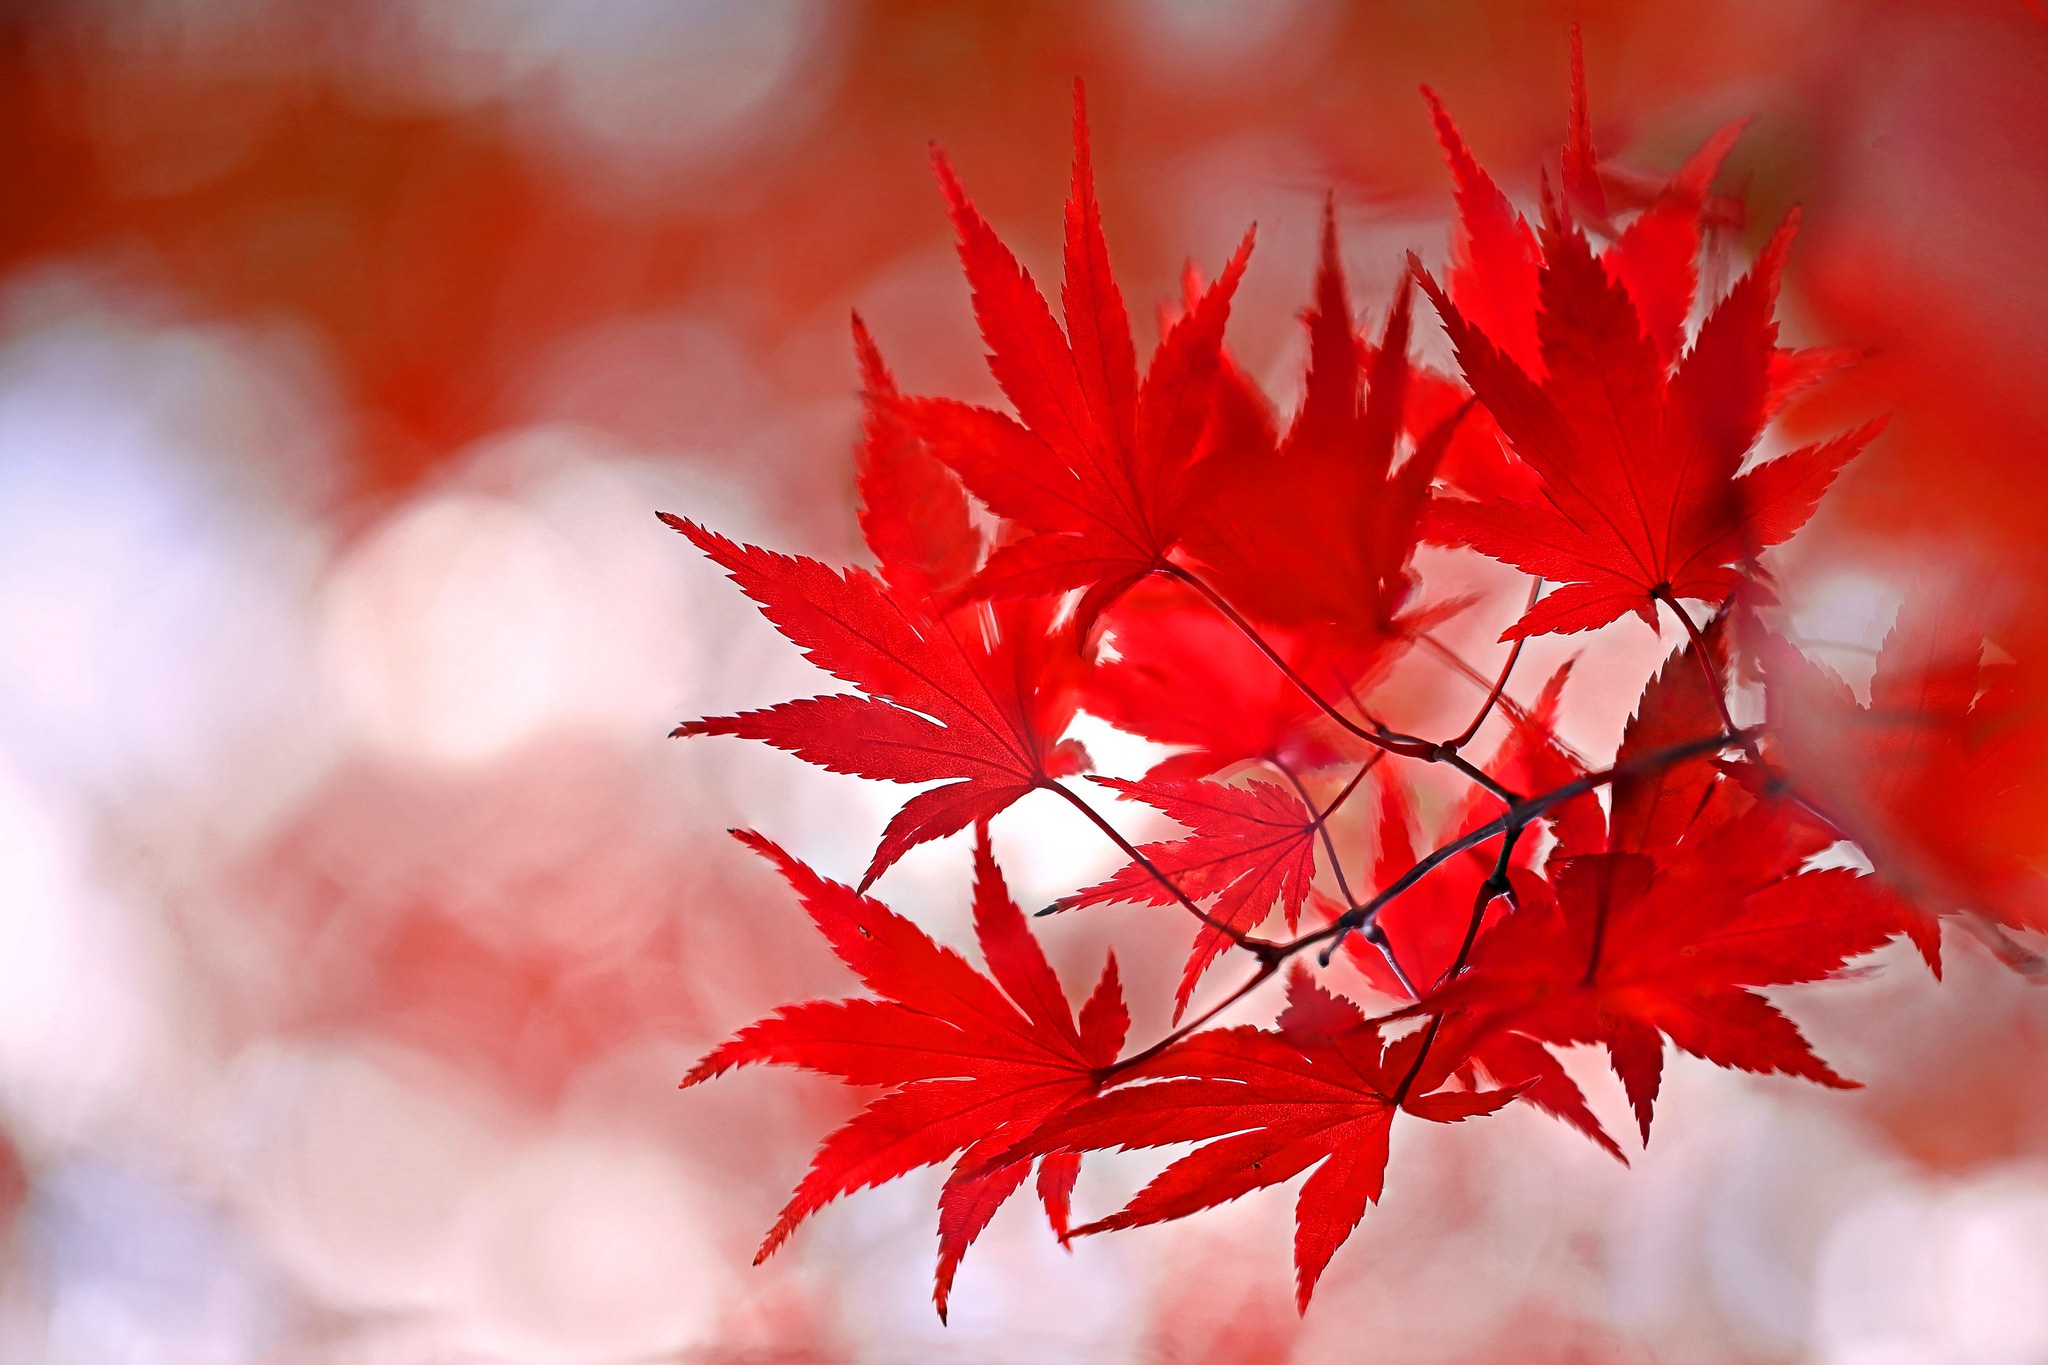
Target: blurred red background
x,y
360,918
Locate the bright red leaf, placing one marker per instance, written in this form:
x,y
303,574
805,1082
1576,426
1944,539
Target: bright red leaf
x,y
1257,588
1317,527
913,511
976,702
1319,1092
1097,465
1618,948
1425,927
1244,708
974,1063
1643,498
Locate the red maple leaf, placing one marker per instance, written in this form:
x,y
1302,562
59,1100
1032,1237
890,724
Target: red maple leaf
x,y
1573,354
975,701
1097,465
1931,777
1643,498
1496,259
974,1064
1620,948
1656,808
1250,848
1316,527
1320,1092
1602,446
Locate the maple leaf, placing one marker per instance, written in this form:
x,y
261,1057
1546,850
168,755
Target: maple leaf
x,y
1321,1091
1496,259
1620,948
1096,465
975,701
1250,848
1317,527
1573,355
1931,777
1643,500
974,1063
1654,256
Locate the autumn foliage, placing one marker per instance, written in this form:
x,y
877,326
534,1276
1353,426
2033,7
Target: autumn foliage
x,y
1158,545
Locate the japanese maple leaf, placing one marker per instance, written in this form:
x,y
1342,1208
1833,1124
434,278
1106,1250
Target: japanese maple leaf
x,y
1321,1091
1317,527
1496,259
1931,777
1624,949
973,1063
975,701
1097,465
1249,848
1643,498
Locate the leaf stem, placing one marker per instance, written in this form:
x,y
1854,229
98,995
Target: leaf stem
x,y
1500,684
1465,670
1320,818
1378,939
1516,817
1715,685
1408,746
1511,824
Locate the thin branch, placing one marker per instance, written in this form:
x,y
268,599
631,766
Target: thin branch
x,y
1450,757
1320,818
1271,955
1407,746
1374,935
1472,675
1517,816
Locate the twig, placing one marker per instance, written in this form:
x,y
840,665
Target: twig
x,y
1122,1064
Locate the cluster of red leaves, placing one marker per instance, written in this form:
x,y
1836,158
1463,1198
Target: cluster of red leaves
x,y
1164,551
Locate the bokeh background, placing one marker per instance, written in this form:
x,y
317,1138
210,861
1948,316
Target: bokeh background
x,y
357,920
